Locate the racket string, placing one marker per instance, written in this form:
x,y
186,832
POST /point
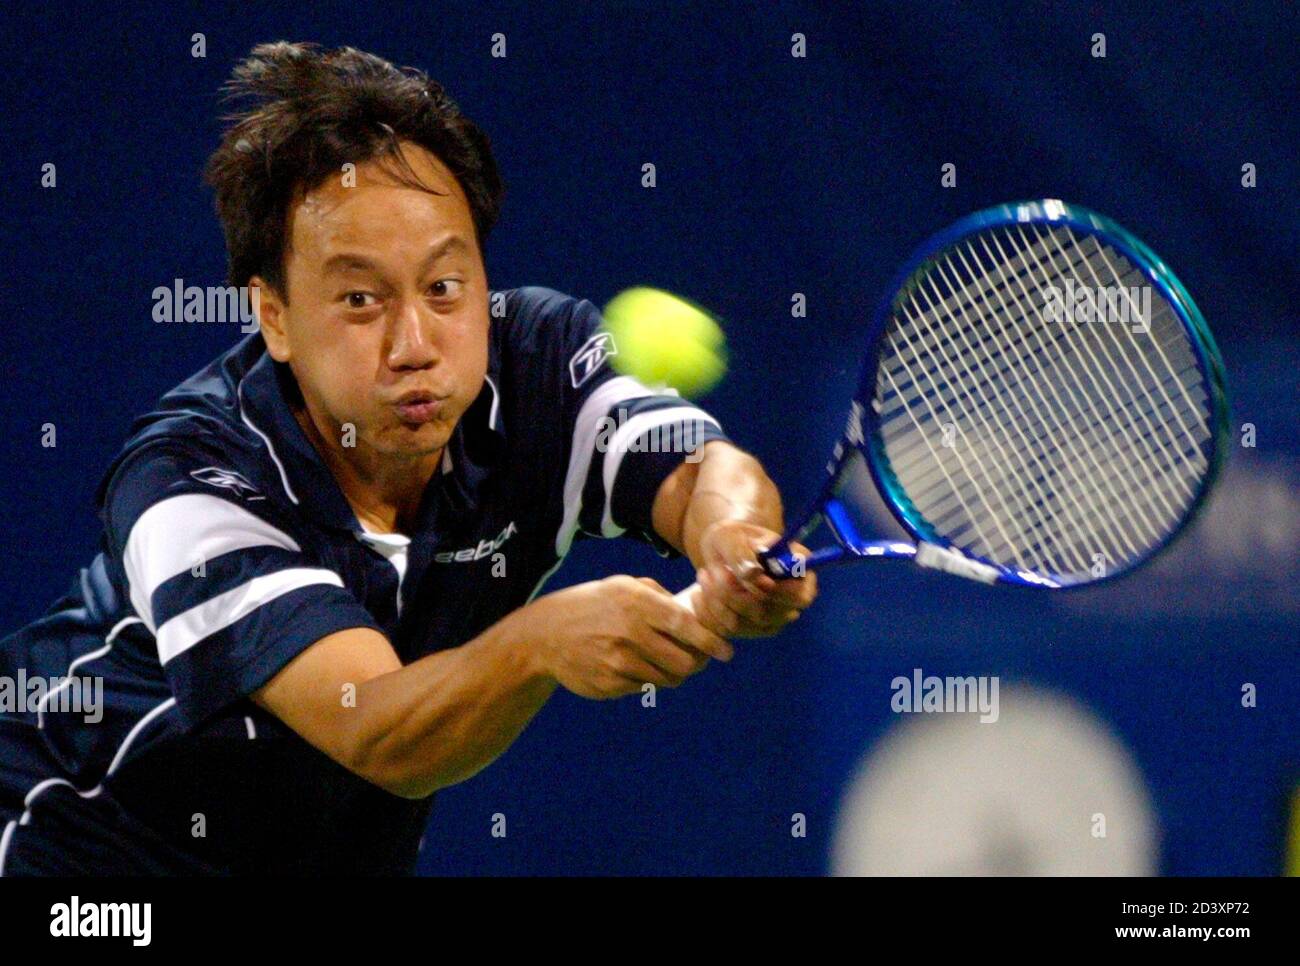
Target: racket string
x,y
1052,408
1070,433
1063,466
1144,408
1126,291
1021,450
1022,417
1097,437
1005,485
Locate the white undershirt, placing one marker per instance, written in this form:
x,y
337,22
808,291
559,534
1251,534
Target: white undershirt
x,y
394,547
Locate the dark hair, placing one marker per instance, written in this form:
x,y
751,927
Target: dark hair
x,y
315,110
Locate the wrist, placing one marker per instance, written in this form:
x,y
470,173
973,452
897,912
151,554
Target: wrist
x,y
523,635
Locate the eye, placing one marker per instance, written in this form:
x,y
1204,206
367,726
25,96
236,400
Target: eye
x,y
359,300
446,287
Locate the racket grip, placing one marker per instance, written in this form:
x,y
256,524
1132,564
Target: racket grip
x,y
687,598
779,561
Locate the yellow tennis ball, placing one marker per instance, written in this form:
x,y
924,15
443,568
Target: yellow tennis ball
x,y
663,339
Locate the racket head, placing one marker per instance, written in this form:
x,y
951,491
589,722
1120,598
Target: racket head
x,y
1181,483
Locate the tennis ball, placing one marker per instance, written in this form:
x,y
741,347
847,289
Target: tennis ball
x,y
663,339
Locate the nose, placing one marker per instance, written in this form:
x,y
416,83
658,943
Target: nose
x,y
412,345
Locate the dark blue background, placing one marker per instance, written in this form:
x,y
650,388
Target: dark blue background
x,y
775,175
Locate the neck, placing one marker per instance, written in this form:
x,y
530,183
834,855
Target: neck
x,y
384,493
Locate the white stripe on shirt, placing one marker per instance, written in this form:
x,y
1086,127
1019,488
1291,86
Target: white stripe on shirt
x,y
618,447
585,429
175,534
202,620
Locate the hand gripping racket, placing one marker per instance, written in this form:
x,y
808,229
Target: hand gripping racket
x,y
1041,404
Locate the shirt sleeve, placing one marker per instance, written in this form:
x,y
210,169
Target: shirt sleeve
x,y
217,575
623,438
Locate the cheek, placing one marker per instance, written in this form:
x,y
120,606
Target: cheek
x,y
340,364
468,352
347,399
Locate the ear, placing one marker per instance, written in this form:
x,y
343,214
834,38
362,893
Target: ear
x,y
271,311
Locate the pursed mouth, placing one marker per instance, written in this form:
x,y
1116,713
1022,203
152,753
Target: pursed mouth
x,y
419,406
418,396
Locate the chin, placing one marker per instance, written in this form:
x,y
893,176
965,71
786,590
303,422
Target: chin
x,y
416,441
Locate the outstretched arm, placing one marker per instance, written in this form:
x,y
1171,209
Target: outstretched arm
x,y
439,720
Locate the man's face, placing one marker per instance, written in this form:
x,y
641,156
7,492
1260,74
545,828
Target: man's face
x,y
386,326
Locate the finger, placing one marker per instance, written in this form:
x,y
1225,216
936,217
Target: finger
x,y
749,604
751,574
777,621
672,657
714,625
768,613
733,610
635,668
662,613
668,617
768,628
723,619
699,660
738,552
712,613
729,579
799,593
800,550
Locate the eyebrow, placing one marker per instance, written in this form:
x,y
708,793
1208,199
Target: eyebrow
x,y
349,261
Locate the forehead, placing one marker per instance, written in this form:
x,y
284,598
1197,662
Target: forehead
x,y
381,201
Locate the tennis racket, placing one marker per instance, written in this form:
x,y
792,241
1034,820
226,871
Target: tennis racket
x,y
1041,405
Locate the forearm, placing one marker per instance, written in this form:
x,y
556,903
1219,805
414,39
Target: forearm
x,y
728,484
723,513
441,719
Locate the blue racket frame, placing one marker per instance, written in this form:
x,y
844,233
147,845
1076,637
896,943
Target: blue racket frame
x,y
862,432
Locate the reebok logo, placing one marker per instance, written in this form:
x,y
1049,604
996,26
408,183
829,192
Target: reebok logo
x,y
227,480
590,357
485,548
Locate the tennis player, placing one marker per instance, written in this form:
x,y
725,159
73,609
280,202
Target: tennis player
x,y
316,599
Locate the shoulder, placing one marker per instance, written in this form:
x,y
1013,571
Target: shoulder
x,y
194,439
549,340
180,480
535,318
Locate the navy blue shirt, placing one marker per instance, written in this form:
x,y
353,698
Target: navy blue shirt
x,y
228,548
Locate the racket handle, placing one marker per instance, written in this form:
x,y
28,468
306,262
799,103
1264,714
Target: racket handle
x,y
688,597
780,561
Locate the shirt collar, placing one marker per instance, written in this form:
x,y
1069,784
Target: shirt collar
x,y
267,395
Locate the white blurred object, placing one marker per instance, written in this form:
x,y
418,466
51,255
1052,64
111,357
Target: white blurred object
x,y
943,794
